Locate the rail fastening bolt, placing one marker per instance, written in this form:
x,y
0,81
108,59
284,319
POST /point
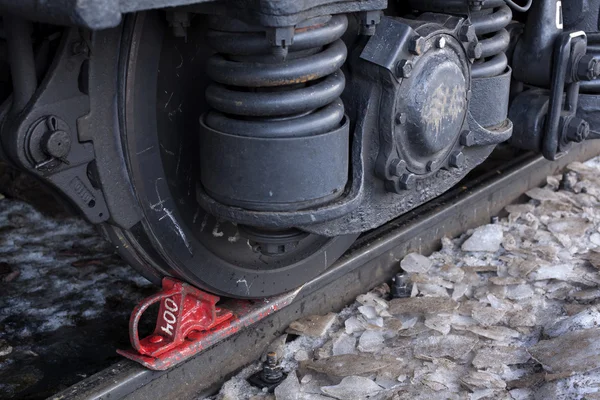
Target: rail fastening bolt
x,y
272,372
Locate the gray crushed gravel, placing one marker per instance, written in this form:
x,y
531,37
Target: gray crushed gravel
x,y
506,311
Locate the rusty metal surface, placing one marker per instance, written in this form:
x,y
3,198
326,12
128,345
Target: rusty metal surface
x,y
371,261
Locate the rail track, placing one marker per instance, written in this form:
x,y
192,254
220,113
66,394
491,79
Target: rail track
x,y
372,260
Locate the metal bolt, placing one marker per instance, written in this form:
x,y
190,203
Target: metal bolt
x,y
441,43
457,160
587,68
271,371
397,167
404,68
401,287
578,130
56,144
417,45
280,53
280,40
568,181
474,50
467,138
369,21
467,33
432,165
400,118
407,181
367,30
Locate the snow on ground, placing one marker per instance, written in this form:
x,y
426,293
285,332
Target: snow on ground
x,y
510,310
65,299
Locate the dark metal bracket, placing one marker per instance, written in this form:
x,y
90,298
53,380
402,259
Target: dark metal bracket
x,y
42,138
562,127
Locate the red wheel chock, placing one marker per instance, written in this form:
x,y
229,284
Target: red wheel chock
x,y
186,317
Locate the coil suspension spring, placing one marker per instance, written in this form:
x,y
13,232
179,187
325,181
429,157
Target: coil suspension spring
x,y
276,91
490,23
275,138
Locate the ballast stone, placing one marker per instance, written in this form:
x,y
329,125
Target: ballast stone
x,y
353,388
289,389
485,238
532,302
370,341
572,352
344,344
313,325
417,263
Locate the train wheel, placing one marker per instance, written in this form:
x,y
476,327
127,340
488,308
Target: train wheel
x,y
162,85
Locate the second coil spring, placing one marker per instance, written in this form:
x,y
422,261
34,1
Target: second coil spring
x,y
490,24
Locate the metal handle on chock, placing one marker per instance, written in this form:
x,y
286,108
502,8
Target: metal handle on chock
x,y
183,310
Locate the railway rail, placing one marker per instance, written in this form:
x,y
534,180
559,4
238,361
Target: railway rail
x,y
372,260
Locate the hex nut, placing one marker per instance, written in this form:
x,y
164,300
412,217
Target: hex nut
x,y
432,165
417,45
404,68
474,50
457,160
578,130
407,181
467,138
587,68
467,33
397,167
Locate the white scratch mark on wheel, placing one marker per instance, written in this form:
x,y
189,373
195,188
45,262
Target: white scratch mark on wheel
x,y
216,232
234,238
178,229
160,203
170,114
204,221
180,56
168,101
145,150
159,207
178,159
169,152
245,282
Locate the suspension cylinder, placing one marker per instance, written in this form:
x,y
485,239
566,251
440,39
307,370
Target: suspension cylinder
x,y
276,137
